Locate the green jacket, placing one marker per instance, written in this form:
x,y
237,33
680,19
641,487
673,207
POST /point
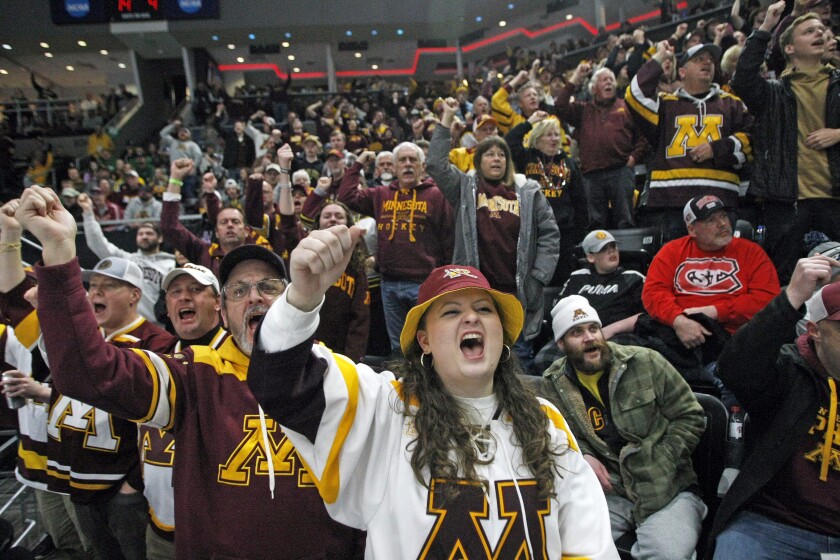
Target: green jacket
x,y
654,409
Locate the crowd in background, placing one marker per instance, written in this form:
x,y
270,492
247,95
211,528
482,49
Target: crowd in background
x,y
518,170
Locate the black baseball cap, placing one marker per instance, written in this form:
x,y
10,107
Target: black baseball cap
x,y
701,207
247,253
697,50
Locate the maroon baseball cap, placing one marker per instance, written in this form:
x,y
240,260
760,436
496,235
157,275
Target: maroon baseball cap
x,y
335,154
454,277
825,304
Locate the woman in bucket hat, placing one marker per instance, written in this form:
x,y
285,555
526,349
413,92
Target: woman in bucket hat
x,y
450,457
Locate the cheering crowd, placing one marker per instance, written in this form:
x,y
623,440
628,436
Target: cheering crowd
x,y
428,234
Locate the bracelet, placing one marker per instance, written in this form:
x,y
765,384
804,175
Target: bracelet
x,y
285,185
178,182
284,170
9,247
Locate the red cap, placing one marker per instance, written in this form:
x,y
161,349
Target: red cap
x,y
454,277
825,304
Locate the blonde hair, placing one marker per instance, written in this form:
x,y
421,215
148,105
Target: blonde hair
x,y
540,129
729,60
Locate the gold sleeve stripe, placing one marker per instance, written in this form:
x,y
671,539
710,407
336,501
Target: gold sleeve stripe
x,y
160,412
330,483
28,331
643,111
158,523
560,423
33,461
564,557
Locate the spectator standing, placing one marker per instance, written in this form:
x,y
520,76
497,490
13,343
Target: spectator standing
x,y
610,146
414,226
201,395
154,263
701,134
503,224
797,167
464,446
143,207
538,154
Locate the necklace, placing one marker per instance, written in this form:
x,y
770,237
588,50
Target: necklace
x,y
558,170
483,439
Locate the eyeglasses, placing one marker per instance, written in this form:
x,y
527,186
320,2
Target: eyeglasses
x,y
270,287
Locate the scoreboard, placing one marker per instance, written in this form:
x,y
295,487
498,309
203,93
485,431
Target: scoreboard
x,y
104,11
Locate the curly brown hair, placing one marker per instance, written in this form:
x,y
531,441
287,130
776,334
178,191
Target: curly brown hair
x,y
443,443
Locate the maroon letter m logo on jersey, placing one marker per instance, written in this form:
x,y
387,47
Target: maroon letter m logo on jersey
x,y
458,532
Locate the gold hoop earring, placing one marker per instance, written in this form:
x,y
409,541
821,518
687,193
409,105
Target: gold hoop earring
x,y
505,347
431,362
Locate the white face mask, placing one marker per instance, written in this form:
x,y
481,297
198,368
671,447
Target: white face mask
x,y
386,177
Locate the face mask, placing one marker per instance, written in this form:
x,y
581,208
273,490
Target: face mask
x,y
386,177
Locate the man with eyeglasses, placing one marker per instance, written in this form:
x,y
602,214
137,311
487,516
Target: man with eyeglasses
x,y
229,500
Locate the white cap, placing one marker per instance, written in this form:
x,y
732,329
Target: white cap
x,y
119,268
571,311
203,275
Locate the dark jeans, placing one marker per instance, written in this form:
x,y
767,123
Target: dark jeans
x,y
609,198
787,224
116,527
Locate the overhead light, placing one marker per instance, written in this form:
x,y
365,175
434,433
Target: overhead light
x,y
215,37
252,36
3,71
291,57
240,60
285,44
374,32
465,82
348,33
81,43
288,35
400,31
510,6
45,45
296,69
500,75
104,52
375,66
502,23
569,17
70,68
478,19
48,54
358,55
231,46
7,46
121,65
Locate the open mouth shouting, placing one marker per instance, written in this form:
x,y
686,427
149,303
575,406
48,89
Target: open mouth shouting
x,y
252,318
472,346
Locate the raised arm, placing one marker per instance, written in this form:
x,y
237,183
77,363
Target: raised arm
x,y
446,176
11,263
173,230
94,236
